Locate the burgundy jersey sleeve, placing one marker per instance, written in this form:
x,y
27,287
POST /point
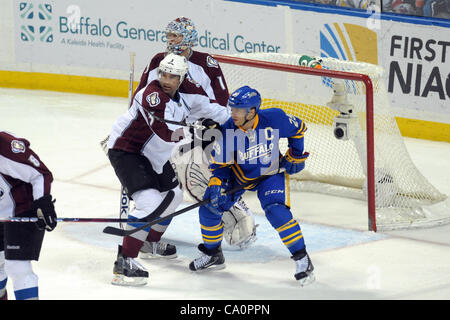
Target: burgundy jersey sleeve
x,y
154,63
212,69
26,175
155,103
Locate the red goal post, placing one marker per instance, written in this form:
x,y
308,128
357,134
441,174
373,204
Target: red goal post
x,y
371,162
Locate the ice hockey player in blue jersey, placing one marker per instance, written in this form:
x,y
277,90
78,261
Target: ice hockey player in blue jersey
x,y
247,149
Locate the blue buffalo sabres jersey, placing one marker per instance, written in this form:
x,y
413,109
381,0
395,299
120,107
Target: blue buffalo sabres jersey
x,y
248,154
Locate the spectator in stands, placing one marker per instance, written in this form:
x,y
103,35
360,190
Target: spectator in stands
x,y
437,9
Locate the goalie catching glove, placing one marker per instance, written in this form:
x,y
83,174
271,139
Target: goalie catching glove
x,y
293,162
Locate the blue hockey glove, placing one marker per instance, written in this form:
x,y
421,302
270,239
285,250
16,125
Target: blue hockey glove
x,y
217,200
293,163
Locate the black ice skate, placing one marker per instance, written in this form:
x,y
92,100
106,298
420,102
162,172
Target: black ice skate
x,y
304,268
158,249
128,272
209,260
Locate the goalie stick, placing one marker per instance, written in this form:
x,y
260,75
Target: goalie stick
x,y
124,233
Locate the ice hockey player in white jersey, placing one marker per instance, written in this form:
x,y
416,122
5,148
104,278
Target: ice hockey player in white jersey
x,y
25,185
204,70
139,148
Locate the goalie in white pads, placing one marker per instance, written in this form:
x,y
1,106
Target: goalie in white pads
x,y
205,72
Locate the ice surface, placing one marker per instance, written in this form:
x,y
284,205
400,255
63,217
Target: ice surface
x,y
350,262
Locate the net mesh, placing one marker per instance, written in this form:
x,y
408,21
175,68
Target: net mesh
x,y
403,196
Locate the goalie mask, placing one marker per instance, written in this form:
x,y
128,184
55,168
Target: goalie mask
x,y
185,27
174,64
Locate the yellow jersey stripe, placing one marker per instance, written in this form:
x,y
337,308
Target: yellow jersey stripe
x,y
291,235
287,191
287,226
302,129
211,241
293,240
213,228
213,237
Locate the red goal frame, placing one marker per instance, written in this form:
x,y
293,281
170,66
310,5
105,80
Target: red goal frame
x,y
339,75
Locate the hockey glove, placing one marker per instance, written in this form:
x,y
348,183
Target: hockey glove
x,y
206,124
292,162
216,199
45,211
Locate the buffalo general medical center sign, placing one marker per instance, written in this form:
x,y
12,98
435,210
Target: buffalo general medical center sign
x,y
101,33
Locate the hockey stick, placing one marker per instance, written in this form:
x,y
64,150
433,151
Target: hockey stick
x,y
124,199
183,123
31,219
124,233
155,214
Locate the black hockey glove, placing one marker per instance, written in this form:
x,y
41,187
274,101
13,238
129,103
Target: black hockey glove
x,y
45,211
207,124
199,134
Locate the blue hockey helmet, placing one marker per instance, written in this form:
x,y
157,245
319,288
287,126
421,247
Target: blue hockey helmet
x,y
245,98
185,27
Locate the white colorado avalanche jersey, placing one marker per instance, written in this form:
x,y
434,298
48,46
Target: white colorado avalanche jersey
x,y
23,176
140,131
203,69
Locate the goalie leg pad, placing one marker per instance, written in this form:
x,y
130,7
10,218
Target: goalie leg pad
x,y
239,225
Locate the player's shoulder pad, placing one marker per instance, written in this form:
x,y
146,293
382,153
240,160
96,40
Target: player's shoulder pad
x,y
205,60
272,113
153,95
190,86
12,144
157,58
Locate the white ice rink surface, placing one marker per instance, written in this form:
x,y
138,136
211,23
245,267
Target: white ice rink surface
x,y
350,262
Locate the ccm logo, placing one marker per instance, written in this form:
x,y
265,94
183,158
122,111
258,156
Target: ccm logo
x,y
268,193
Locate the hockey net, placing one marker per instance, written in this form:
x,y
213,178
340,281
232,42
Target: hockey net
x,y
372,164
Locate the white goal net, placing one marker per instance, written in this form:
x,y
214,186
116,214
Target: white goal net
x,y
403,197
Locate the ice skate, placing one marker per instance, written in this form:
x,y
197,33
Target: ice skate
x,y
209,260
304,268
128,272
160,249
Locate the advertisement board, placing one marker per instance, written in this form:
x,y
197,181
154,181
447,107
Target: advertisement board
x,y
99,35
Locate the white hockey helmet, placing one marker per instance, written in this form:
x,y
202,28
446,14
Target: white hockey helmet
x,y
174,64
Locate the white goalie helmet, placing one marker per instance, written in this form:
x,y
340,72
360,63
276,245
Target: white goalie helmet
x,y
174,64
